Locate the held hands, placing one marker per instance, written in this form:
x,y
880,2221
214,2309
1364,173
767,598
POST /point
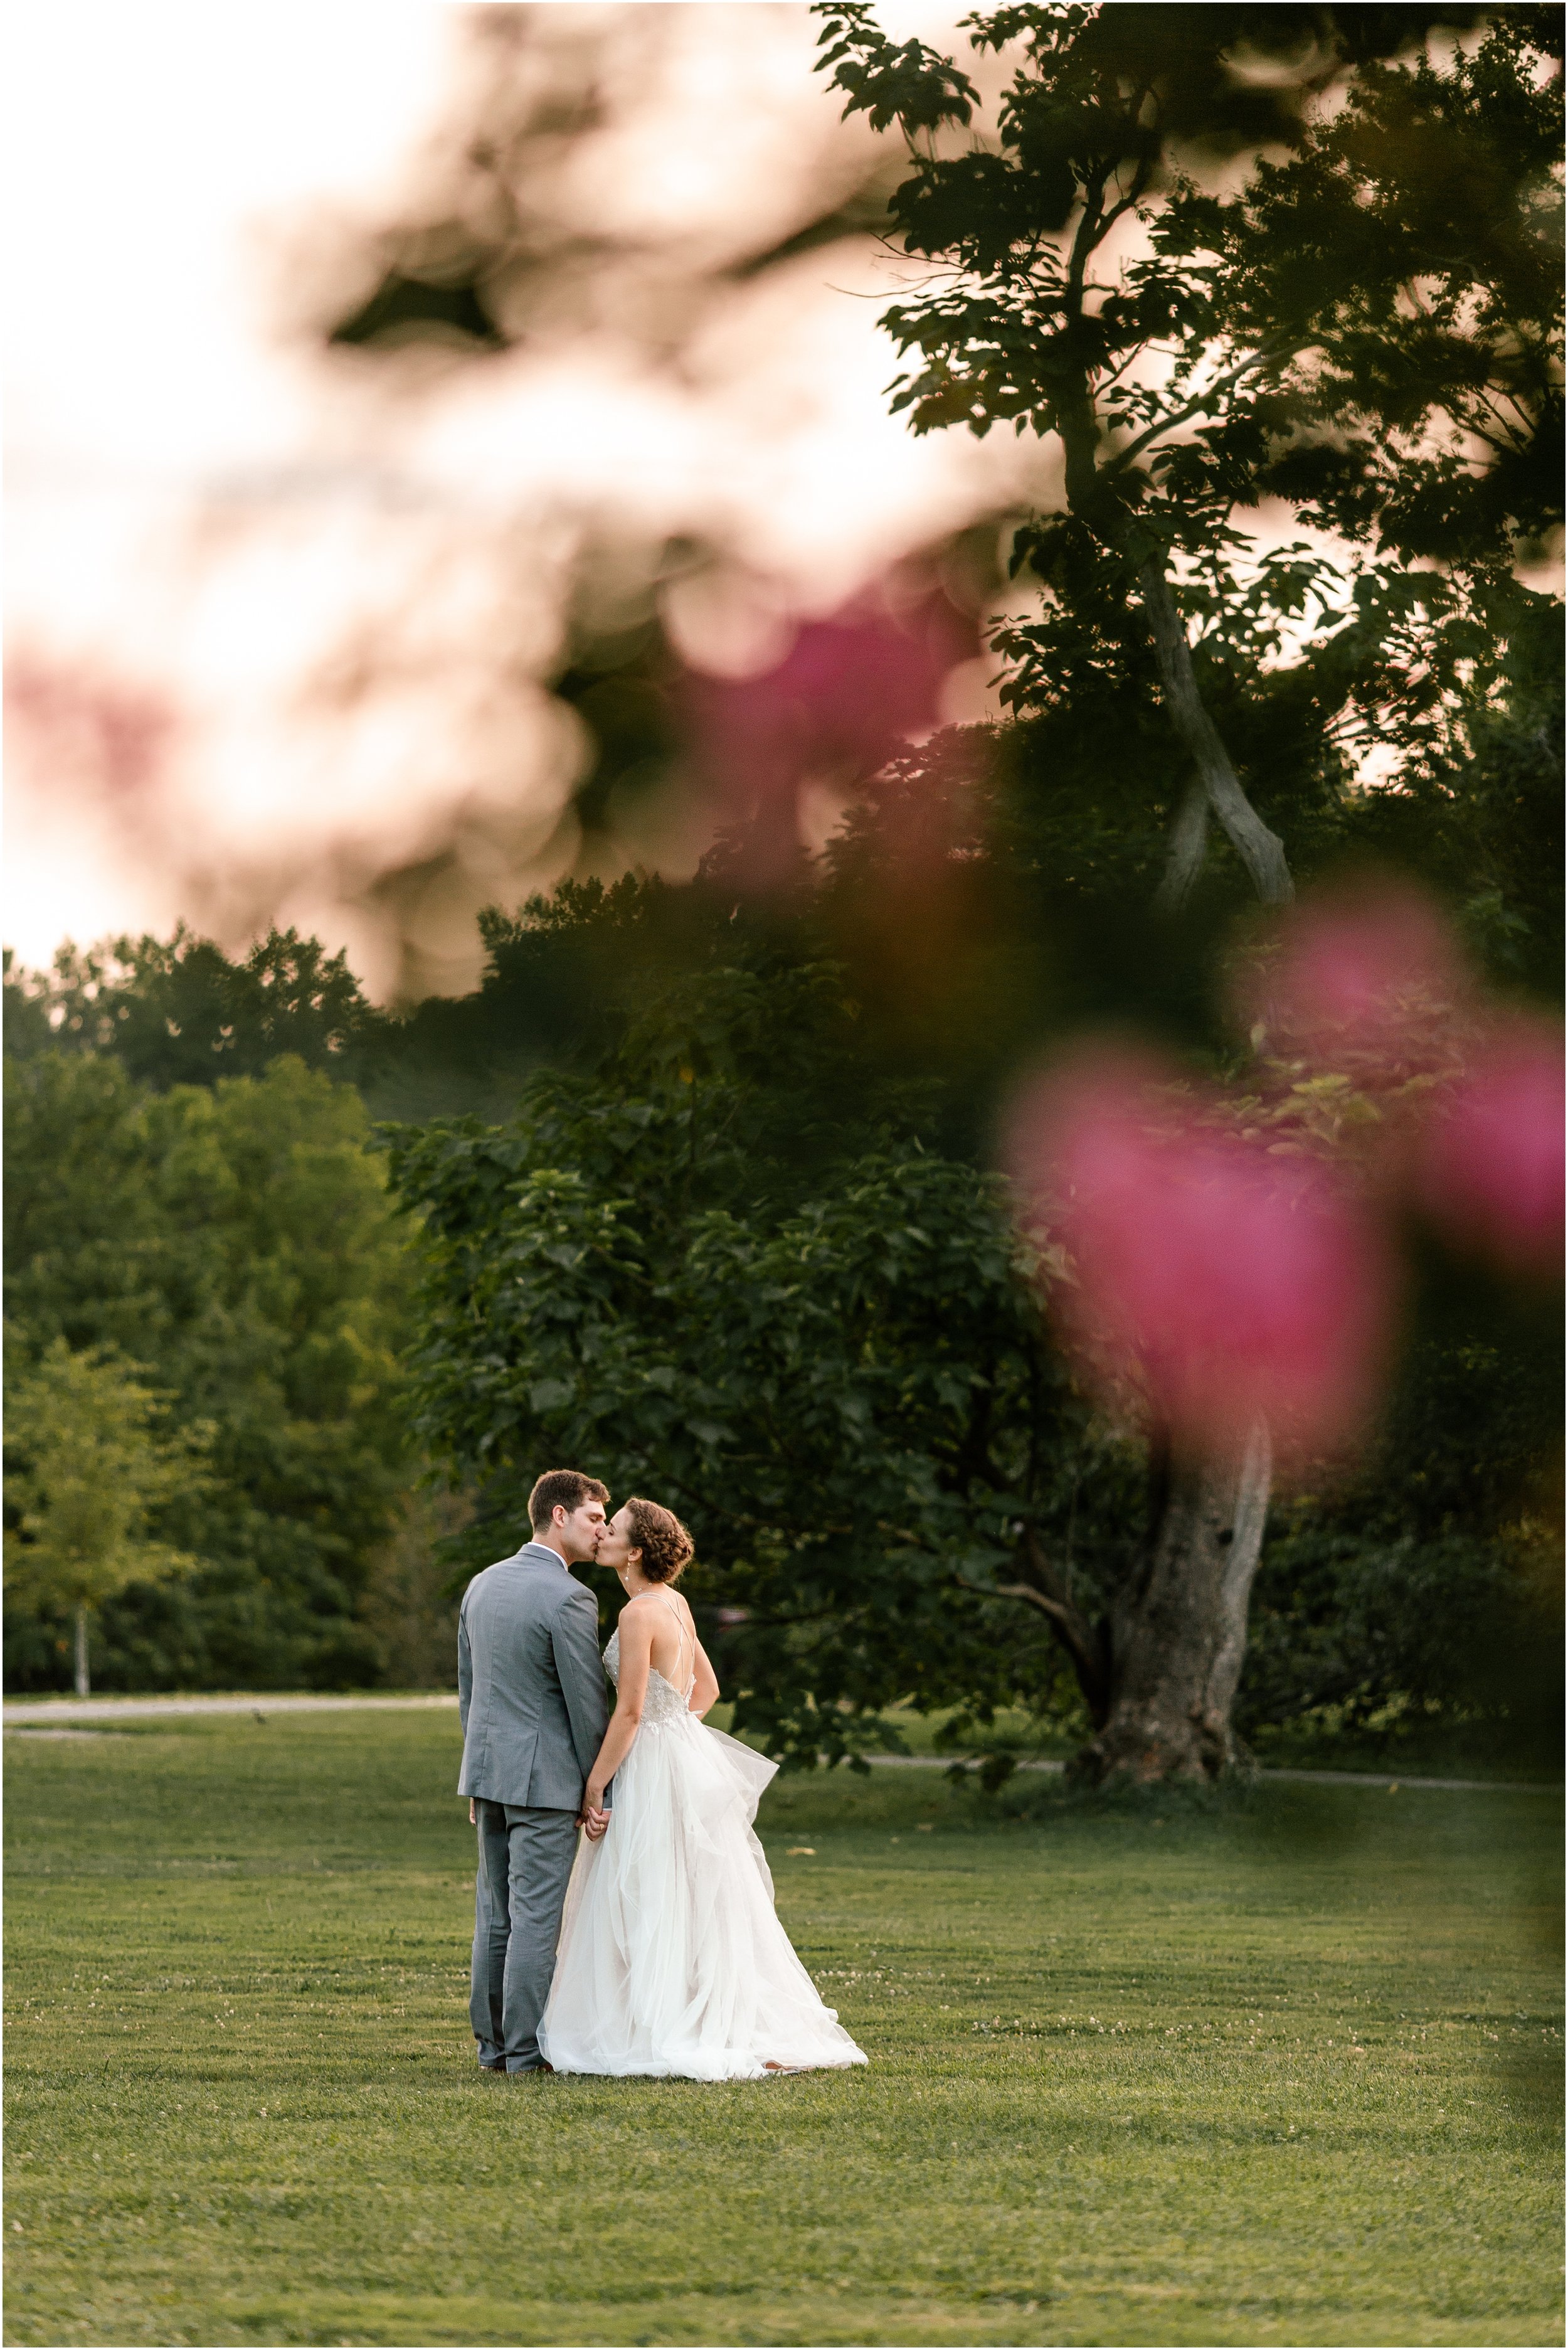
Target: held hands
x,y
593,1819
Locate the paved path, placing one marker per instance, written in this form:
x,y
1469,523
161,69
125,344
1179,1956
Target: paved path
x,y
49,1710
62,1718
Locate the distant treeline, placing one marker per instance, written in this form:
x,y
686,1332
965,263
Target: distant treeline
x,y
198,1184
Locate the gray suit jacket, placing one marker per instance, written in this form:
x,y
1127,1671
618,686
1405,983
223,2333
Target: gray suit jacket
x,y
531,1688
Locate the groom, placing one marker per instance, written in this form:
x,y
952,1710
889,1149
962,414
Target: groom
x,y
531,1692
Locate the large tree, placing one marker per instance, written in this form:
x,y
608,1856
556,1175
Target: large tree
x,y
1370,330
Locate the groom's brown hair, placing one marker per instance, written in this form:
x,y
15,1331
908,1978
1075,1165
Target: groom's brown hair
x,y
565,1488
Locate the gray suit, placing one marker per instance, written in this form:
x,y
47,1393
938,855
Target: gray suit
x,y
531,1692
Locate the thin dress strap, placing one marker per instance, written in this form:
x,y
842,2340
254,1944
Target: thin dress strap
x,y
680,1651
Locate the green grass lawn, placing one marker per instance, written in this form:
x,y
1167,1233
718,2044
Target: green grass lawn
x,y
1280,2072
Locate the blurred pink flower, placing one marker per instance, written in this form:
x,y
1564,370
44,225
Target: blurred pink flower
x,y
1368,973
1224,1283
75,723
850,688
1489,1163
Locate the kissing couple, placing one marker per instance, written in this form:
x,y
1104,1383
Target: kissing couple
x,y
628,1927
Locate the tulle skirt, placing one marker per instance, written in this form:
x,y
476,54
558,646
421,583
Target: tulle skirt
x,y
671,1959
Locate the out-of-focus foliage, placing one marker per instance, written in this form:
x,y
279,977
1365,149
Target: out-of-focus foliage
x,y
720,1221
237,1242
992,889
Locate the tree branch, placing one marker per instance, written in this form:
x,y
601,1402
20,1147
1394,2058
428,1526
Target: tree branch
x,y
1122,458
1083,1642
1260,851
1086,237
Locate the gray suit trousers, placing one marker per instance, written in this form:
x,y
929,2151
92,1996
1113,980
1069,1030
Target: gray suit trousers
x,y
525,1857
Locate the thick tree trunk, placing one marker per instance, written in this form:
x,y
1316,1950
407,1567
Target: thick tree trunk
x,y
1186,850
1178,1632
1260,851
84,1686
1159,1673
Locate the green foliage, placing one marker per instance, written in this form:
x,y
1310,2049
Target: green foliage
x,y
736,1087
1369,329
730,1266
1479,809
237,1241
1410,259
179,1011
1428,1588
821,1350
717,1222
94,1468
829,1360
1279,314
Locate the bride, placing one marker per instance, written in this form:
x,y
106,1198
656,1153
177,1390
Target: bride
x,y
671,1959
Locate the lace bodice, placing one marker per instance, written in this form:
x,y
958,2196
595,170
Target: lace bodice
x,y
664,1701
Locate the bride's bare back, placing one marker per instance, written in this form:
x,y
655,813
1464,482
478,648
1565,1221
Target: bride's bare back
x,y
674,1646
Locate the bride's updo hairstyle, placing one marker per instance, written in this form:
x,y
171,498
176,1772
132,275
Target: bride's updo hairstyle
x,y
659,1534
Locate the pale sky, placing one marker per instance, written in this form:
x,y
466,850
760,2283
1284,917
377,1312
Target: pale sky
x,y
278,615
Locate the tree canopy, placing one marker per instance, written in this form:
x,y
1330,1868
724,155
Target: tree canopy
x,y
1369,330
820,1340
237,1243
95,1467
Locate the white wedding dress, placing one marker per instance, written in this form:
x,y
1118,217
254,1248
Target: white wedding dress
x,y
671,1959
